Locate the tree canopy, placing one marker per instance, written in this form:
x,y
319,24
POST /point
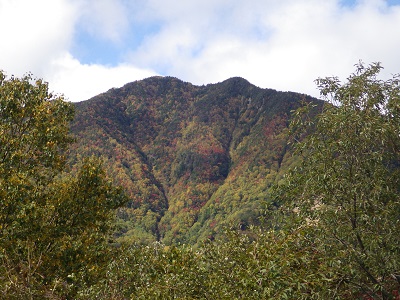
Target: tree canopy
x,y
347,189
53,225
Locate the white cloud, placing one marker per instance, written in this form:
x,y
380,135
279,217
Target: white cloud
x,y
106,19
284,45
277,44
37,35
33,32
81,82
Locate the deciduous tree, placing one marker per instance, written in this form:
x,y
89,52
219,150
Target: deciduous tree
x,y
53,225
348,186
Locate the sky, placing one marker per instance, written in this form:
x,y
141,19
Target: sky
x,y
85,47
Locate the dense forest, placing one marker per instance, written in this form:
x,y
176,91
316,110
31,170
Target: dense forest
x,y
193,159
166,190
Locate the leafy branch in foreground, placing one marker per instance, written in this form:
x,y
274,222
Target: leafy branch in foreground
x,y
53,226
348,186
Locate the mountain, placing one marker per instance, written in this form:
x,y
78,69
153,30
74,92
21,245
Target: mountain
x,y
192,159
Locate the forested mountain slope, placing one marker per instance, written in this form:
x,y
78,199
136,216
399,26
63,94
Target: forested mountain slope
x,y
191,158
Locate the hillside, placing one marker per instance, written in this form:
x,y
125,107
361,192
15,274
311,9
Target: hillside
x,y
191,158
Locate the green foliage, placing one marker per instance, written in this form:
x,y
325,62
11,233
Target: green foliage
x,y
53,226
257,265
348,185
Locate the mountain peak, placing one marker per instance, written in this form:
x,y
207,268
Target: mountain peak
x,y
237,80
191,158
